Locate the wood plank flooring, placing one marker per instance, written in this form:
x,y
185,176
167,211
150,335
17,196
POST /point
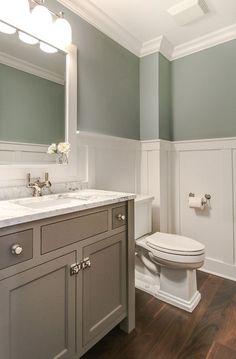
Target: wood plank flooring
x,y
165,332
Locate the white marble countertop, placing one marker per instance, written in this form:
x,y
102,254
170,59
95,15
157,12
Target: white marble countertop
x,y
29,209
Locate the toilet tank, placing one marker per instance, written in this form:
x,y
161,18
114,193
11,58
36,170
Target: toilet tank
x,y
143,215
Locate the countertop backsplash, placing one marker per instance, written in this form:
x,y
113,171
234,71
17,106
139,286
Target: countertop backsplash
x,y
7,193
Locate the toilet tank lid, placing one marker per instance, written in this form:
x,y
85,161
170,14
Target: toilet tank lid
x,y
143,198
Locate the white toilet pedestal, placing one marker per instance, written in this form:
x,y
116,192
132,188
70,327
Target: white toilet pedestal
x,y
179,288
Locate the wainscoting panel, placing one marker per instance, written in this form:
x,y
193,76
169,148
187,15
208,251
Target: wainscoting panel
x,y
208,172
207,167
155,180
109,163
150,178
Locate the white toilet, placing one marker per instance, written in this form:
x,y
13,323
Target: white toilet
x,y
165,264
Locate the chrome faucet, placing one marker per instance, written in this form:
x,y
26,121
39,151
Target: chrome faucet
x,y
38,185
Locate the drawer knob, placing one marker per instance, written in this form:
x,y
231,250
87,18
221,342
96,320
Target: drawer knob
x,y
16,249
121,217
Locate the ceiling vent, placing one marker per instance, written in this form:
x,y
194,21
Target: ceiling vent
x,y
188,11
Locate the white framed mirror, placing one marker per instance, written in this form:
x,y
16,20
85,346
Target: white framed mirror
x,y
23,148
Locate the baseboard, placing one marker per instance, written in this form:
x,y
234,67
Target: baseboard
x,y
219,268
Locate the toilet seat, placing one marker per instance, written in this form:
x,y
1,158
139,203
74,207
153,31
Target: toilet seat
x,y
175,245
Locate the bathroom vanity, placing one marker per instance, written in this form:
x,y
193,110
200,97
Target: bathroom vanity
x,y
66,273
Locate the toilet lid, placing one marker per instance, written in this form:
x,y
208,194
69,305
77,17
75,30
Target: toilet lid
x,y
172,243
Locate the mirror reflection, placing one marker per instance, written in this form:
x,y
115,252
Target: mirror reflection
x,y
32,93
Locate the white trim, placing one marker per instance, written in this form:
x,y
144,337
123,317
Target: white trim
x,y
96,17
30,68
205,42
205,144
150,47
92,137
219,268
159,44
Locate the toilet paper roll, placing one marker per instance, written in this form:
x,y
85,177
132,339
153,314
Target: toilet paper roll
x,y
197,202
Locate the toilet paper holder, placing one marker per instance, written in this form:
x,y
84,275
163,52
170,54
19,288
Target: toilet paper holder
x,y
207,196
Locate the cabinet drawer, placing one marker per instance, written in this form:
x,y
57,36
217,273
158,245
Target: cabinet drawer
x,y
119,217
64,233
24,239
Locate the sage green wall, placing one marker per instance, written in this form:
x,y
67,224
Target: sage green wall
x,y
108,81
31,108
155,98
204,94
149,102
165,99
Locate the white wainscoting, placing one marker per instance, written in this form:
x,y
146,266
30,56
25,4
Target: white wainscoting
x,y
204,167
155,169
109,163
170,171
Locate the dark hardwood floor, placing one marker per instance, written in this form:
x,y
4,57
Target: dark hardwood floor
x,y
165,332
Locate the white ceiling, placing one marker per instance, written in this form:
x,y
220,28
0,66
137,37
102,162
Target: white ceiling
x,y
142,21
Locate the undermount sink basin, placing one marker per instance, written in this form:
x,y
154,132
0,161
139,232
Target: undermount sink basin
x,y
57,200
40,203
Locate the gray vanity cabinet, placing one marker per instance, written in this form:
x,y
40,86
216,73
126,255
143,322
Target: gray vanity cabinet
x,y
37,310
104,286
70,283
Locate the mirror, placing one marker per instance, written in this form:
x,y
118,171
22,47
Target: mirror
x,y
32,101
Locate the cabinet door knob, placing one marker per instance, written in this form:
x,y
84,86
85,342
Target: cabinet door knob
x,y
16,249
121,217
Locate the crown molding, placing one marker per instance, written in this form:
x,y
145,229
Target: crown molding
x,y
96,17
150,47
205,42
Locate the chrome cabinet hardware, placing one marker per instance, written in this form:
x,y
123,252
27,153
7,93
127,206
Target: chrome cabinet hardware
x,y
75,268
86,263
16,249
121,217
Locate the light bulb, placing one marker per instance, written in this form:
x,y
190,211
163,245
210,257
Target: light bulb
x,y
62,32
6,29
21,9
14,12
41,20
27,38
6,10
47,48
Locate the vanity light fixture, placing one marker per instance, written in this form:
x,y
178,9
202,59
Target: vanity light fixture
x,y
21,11
47,48
33,20
6,29
27,38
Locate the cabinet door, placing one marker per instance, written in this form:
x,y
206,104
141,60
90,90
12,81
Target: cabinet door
x,y
104,285
37,312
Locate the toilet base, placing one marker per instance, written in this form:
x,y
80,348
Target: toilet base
x,y
187,305
147,287
177,287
